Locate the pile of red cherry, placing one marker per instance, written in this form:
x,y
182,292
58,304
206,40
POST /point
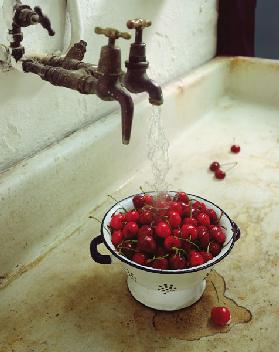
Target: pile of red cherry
x,y
167,232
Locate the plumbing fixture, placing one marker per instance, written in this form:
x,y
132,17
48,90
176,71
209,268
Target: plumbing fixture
x,y
136,80
24,16
106,80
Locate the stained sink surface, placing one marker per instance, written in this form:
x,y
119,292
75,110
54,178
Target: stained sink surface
x,y
66,302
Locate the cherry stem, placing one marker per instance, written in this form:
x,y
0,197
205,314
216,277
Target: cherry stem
x,y
177,250
141,189
215,291
235,163
126,211
109,195
154,258
193,243
93,217
230,163
191,208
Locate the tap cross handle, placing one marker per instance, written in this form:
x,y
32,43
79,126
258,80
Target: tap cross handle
x,y
112,34
44,21
138,24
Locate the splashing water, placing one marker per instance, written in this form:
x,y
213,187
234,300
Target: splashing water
x,y
158,151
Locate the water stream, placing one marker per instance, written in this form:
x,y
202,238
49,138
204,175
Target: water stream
x,y
158,152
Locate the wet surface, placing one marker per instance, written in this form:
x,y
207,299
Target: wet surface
x,y
65,302
193,323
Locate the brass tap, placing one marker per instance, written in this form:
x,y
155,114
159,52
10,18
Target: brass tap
x,y
136,79
106,80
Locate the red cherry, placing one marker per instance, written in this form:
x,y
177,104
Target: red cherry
x,y
206,256
213,229
203,239
214,248
147,244
148,199
171,242
146,217
177,262
195,259
186,209
116,221
235,148
199,205
128,249
130,230
165,197
189,231
203,219
138,201
139,258
219,174
116,237
174,219
162,229
162,208
188,247
176,206
219,237
220,315
181,197
212,215
176,232
160,263
132,215
145,230
196,212
214,166
201,229
121,216
190,221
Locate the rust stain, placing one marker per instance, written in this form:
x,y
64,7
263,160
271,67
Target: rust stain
x,y
98,305
240,60
236,62
193,323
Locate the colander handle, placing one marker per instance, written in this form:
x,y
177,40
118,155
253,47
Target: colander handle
x,y
236,231
96,256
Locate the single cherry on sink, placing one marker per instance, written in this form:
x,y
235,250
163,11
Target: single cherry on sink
x,y
220,316
215,165
220,174
235,148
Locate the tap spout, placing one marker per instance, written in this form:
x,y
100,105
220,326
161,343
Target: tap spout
x,y
106,89
127,110
137,81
